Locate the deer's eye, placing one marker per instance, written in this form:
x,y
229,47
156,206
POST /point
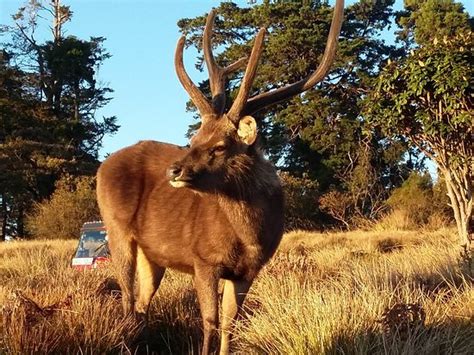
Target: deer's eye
x,y
218,149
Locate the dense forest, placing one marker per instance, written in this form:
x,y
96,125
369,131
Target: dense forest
x,y
350,151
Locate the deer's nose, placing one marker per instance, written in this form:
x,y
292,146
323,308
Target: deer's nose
x,y
174,171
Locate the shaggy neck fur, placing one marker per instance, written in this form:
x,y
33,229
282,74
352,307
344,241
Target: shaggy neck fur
x,y
252,181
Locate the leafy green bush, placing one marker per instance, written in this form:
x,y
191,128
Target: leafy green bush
x,y
414,197
60,217
421,201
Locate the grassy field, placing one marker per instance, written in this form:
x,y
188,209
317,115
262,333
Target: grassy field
x,y
341,293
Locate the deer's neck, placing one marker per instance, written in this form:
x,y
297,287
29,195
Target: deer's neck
x,y
243,215
248,201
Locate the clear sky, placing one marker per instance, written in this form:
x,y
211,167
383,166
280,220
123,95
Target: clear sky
x,y
141,36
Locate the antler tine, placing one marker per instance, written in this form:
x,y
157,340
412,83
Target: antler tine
x,y
195,94
244,90
263,100
217,74
239,63
208,56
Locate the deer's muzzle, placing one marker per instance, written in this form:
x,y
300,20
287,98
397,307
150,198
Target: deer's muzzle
x,y
177,176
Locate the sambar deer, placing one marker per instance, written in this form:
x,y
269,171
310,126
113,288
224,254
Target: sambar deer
x,y
215,209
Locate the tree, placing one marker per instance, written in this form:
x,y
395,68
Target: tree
x,y
423,20
427,97
320,132
48,104
15,123
360,199
62,76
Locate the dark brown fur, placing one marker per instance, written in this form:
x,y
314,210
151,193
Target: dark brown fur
x,y
226,229
177,227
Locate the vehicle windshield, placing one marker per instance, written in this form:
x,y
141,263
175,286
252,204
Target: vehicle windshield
x,y
92,244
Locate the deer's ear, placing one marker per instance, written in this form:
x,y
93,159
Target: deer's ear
x,y
247,130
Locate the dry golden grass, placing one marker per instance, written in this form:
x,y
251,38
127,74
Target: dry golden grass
x,y
321,294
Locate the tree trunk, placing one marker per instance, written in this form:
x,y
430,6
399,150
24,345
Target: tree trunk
x,y
459,188
58,20
3,236
20,225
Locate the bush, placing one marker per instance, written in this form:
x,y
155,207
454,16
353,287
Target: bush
x,y
301,202
420,202
414,197
72,203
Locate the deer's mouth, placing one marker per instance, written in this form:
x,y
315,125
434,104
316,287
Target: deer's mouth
x,y
192,180
179,176
180,182
184,179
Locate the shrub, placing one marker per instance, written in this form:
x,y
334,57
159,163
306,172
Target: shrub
x,y
420,202
441,199
301,202
414,197
72,203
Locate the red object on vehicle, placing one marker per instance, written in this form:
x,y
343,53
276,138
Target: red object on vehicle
x,y
92,251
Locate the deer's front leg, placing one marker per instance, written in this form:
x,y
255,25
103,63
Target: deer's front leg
x,y
234,295
206,283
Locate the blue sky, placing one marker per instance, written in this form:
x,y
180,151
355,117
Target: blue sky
x,y
141,36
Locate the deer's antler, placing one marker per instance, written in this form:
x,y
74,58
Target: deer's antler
x,y
242,104
266,99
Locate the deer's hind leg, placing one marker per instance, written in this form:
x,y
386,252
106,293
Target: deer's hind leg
x,y
149,277
123,249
